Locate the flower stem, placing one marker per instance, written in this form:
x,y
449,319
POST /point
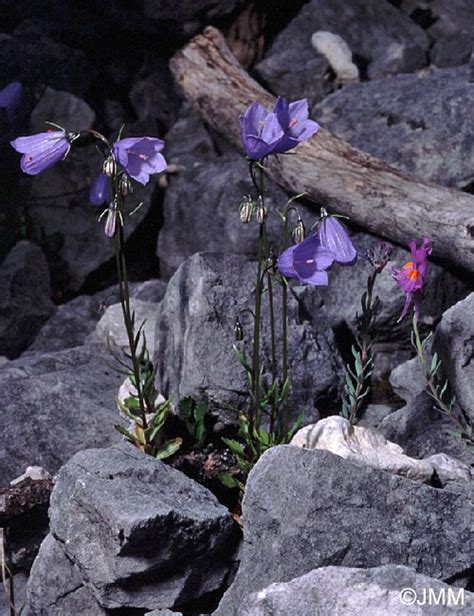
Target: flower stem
x,y
284,318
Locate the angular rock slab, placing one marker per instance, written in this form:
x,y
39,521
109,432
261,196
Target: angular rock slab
x,y
195,335
55,586
54,405
422,124
359,592
307,509
25,300
454,342
143,535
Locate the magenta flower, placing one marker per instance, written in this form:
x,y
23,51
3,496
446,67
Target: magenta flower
x,y
10,98
411,276
41,151
334,238
307,261
100,191
140,157
293,119
275,132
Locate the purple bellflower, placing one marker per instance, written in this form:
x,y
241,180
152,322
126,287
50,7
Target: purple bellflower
x,y
10,98
100,191
41,151
277,131
140,157
411,276
334,237
309,260
294,121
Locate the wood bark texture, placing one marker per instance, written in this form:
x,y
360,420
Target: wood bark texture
x,y
386,201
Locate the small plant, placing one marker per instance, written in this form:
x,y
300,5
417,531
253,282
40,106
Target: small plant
x,y
357,383
194,414
124,160
411,277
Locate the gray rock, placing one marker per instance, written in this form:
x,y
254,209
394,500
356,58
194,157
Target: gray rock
x,y
163,613
293,69
420,124
453,50
358,592
52,571
61,108
373,415
397,58
340,301
153,94
422,431
188,143
54,405
408,380
125,520
454,342
111,329
25,302
307,509
74,321
194,342
451,17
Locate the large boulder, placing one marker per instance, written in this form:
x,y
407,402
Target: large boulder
x,y
76,320
454,342
56,404
194,339
419,123
292,67
307,509
25,302
137,533
391,590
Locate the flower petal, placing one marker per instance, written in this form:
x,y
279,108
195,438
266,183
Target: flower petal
x,y
335,238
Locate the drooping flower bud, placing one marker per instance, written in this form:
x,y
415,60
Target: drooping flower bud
x,y
299,231
271,263
125,184
245,210
260,212
111,220
110,166
238,330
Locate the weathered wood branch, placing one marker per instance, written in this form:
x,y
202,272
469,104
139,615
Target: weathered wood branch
x,y
384,200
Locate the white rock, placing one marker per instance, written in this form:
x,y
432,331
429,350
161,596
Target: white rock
x,y
337,52
367,446
36,473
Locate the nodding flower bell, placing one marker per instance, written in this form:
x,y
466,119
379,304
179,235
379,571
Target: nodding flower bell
x,y
238,330
245,210
335,238
110,166
260,212
299,231
111,219
43,150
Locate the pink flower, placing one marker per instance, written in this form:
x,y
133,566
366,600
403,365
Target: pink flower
x,y
411,276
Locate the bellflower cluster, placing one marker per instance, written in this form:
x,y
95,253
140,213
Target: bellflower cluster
x,y
411,277
264,133
309,260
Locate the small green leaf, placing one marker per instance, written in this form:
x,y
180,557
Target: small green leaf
x,y
169,448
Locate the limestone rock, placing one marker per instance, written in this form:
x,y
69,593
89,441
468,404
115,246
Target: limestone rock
x,y
308,509
367,446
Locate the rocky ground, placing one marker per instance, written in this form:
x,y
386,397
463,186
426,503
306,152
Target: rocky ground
x,y
339,522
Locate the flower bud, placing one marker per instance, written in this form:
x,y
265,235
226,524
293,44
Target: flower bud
x,y
245,210
125,184
111,220
260,212
271,263
299,231
110,166
238,330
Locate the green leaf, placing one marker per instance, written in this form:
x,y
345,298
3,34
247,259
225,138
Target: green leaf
x,y
235,446
169,448
228,480
126,433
